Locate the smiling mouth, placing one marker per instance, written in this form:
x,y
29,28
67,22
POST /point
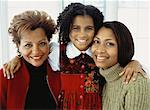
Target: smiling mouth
x,y
36,57
101,58
81,41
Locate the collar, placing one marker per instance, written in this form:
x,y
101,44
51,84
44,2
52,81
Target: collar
x,y
72,51
111,73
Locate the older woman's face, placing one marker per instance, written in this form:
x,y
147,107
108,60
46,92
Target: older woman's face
x,y
34,46
105,48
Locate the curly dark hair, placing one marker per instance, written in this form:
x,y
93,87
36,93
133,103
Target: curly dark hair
x,y
124,40
30,20
65,19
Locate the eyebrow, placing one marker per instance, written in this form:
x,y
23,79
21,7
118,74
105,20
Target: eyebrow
x,y
105,39
38,41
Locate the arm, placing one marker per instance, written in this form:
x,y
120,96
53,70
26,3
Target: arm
x,y
11,67
137,95
131,71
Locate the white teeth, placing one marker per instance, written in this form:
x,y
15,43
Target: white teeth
x,y
81,41
101,58
36,58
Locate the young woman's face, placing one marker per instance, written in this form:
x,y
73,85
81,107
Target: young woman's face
x,y
34,46
82,32
105,48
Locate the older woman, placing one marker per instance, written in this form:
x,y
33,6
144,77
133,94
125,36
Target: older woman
x,y
35,85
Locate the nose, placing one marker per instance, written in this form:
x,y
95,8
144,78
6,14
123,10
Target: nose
x,y
101,49
35,50
83,33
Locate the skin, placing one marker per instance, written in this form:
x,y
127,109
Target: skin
x,y
81,35
105,48
82,32
34,46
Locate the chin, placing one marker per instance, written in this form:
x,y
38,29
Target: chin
x,y
101,66
37,64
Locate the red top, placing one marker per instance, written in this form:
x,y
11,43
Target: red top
x,y
13,92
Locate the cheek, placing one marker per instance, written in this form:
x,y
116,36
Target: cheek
x,y
46,50
115,55
24,52
92,49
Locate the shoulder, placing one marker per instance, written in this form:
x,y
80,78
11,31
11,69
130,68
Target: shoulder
x,y
140,84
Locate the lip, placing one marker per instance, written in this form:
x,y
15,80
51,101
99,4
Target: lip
x,y
81,41
100,58
36,57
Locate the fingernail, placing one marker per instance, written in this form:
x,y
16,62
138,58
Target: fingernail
x,y
120,74
133,79
8,77
126,82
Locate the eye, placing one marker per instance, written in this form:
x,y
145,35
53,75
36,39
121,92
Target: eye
x,y
110,44
75,28
28,46
96,41
89,28
42,44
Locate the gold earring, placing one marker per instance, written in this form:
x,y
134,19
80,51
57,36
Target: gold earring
x,y
19,53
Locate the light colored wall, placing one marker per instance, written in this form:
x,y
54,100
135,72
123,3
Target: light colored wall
x,y
135,15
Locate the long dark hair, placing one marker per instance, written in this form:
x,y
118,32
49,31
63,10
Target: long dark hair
x,y
124,40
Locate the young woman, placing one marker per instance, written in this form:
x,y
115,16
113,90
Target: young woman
x,y
34,86
113,49
81,83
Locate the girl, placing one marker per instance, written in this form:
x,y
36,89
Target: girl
x,y
113,49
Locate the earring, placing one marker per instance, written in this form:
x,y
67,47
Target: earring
x,y
19,53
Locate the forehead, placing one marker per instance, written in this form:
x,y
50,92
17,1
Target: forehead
x,y
105,33
83,20
33,35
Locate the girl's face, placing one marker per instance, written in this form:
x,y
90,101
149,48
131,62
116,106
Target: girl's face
x,y
34,46
82,32
105,48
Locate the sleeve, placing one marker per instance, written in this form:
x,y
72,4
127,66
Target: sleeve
x,y
137,95
53,57
3,91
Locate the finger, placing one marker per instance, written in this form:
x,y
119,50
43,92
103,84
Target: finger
x,y
12,71
134,77
143,73
12,75
7,72
4,71
121,73
17,68
127,75
128,78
